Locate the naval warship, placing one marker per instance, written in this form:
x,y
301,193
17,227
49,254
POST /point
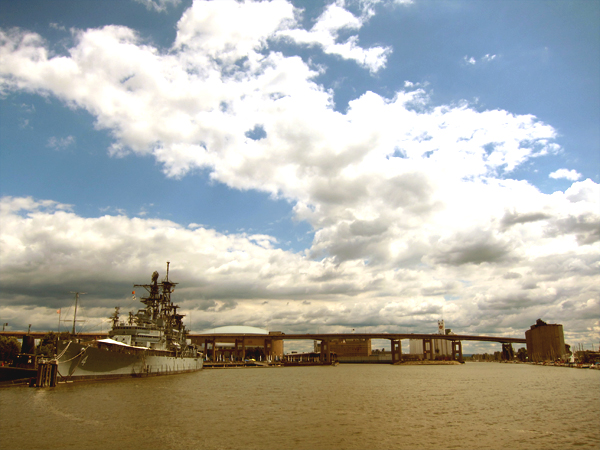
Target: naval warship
x,y
151,342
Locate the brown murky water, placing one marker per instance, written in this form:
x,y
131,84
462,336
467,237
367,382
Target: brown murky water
x,y
472,406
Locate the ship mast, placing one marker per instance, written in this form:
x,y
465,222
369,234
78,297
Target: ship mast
x,y
75,313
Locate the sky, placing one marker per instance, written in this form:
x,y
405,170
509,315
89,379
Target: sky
x,y
305,166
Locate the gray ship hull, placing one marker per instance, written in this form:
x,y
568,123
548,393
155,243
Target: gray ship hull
x,y
78,361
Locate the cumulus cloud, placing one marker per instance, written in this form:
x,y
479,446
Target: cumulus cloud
x,y
325,33
567,174
49,251
46,247
412,206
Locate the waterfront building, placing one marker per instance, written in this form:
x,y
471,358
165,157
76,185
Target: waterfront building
x,y
347,347
545,342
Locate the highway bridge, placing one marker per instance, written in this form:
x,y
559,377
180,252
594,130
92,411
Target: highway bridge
x,y
240,341
325,336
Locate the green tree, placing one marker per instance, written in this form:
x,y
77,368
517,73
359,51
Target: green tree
x,y
522,354
47,345
9,348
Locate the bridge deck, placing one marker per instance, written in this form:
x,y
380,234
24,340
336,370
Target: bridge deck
x,y
324,336
318,337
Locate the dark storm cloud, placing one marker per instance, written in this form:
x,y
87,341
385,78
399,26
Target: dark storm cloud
x,y
367,228
514,218
585,227
339,191
58,293
476,247
503,302
511,275
373,248
442,289
556,267
409,190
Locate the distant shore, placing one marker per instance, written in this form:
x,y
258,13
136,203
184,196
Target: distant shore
x,y
427,363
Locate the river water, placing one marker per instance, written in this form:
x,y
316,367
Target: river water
x,y
471,406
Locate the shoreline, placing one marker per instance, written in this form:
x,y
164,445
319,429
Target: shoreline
x,y
427,363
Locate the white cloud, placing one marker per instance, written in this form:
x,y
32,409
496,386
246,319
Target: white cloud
x,y
61,143
567,174
325,35
158,5
57,26
229,30
471,61
409,201
49,250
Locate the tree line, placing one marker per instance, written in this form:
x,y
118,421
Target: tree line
x,y
10,347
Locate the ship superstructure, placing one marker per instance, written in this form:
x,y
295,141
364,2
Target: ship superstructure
x,y
157,326
152,341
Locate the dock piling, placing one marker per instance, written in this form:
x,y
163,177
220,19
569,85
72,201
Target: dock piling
x,y
47,374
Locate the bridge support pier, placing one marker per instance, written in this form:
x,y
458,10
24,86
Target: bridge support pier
x,y
325,356
508,353
213,350
240,349
396,350
457,351
268,349
428,349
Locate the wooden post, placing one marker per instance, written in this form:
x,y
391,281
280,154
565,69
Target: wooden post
x,y
53,373
47,373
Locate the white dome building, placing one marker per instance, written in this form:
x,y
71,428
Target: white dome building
x,y
235,329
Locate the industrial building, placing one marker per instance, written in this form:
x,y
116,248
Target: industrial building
x,y
440,348
545,342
